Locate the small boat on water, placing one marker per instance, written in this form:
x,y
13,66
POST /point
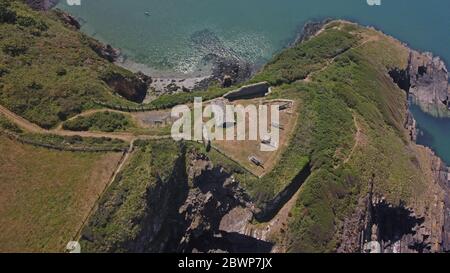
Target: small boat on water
x,y
147,13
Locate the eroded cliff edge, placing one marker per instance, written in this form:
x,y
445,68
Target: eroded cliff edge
x,y
422,225
417,227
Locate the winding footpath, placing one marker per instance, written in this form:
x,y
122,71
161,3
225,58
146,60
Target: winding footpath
x,y
33,128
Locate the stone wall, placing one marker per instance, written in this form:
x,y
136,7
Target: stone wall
x,y
249,91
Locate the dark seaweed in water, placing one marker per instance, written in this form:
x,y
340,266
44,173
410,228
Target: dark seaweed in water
x,y
225,61
209,43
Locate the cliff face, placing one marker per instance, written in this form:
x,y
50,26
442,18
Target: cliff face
x,y
133,87
180,213
139,212
419,227
379,226
429,83
214,193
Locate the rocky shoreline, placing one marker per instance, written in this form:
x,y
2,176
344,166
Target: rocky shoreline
x,y
429,86
378,226
220,70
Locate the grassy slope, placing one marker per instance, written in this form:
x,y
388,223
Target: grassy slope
x,y
127,203
355,86
45,195
282,72
56,75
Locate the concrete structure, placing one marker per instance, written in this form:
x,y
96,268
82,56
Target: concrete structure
x,y
249,91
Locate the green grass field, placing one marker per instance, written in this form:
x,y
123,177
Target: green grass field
x,y
45,195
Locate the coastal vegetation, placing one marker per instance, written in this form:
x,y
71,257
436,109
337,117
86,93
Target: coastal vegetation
x,y
351,116
298,62
100,121
150,179
5,124
49,71
73,142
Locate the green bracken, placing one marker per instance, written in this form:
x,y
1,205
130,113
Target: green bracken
x,y
52,72
100,121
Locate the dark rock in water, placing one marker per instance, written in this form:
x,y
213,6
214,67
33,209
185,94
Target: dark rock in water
x,y
68,19
208,41
237,70
429,82
42,4
227,64
133,88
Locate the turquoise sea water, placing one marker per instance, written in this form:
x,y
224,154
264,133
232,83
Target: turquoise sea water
x,y
254,29
433,132
165,38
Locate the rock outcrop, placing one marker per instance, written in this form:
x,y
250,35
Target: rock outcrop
x,y
42,4
68,19
378,226
429,83
105,51
310,29
132,87
214,194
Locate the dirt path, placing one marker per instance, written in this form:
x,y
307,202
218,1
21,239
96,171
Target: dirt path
x,y
359,137
365,40
20,121
33,128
